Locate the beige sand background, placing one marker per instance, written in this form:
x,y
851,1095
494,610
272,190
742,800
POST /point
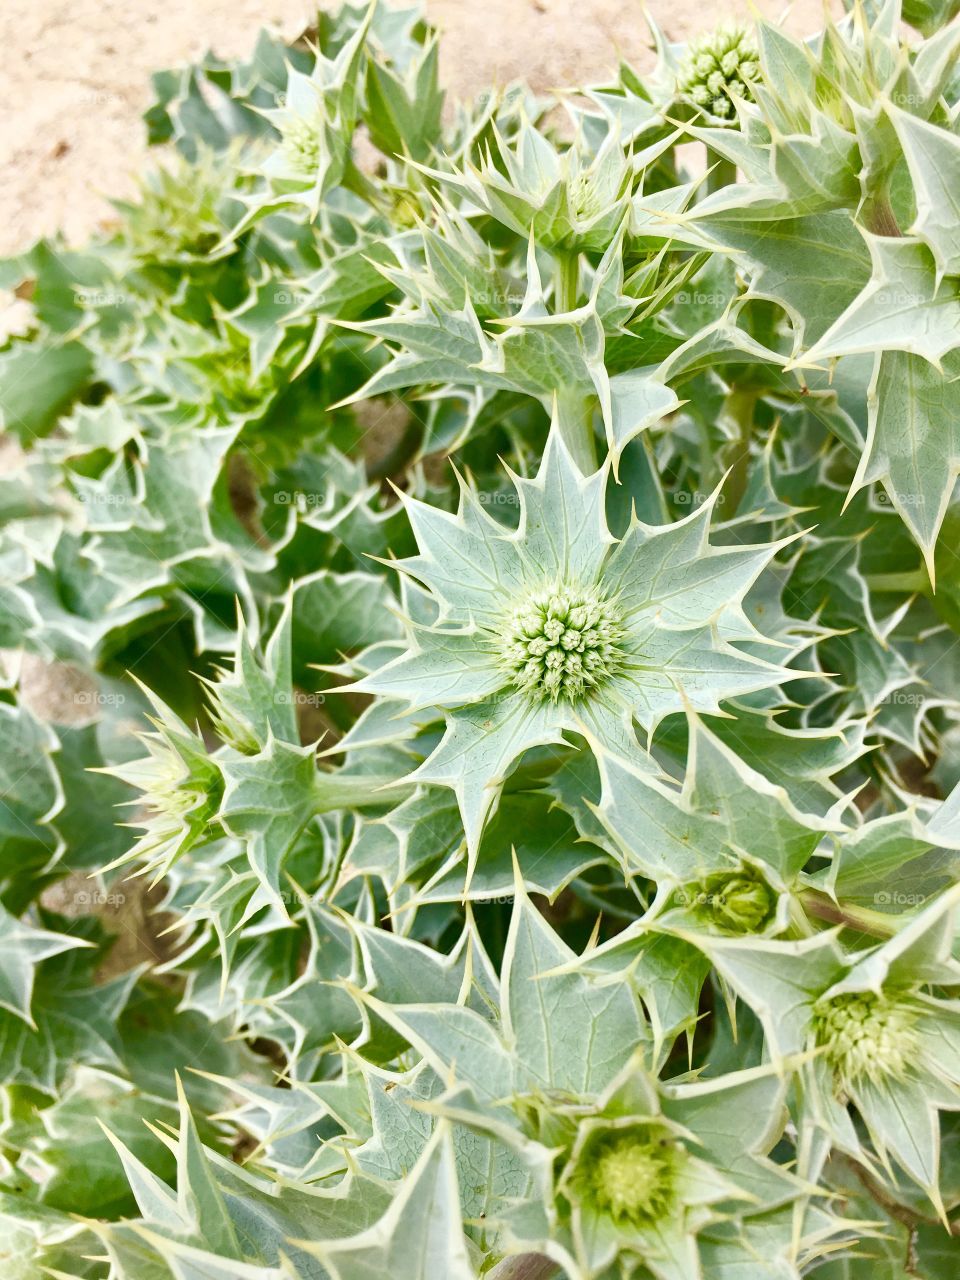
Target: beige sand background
x,y
74,75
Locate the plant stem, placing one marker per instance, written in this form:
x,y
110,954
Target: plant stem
x,y
722,172
862,919
337,790
879,216
523,1266
914,582
574,407
575,417
356,180
739,407
567,286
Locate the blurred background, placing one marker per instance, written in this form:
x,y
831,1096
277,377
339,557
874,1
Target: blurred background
x,y
75,76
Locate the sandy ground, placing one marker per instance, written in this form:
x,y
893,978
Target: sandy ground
x,y
74,78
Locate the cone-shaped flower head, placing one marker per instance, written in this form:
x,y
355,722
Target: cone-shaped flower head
x,y
555,626
720,66
315,119
303,143
181,788
631,1176
866,1036
877,1039
560,644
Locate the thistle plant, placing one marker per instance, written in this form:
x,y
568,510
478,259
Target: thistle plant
x,y
479,731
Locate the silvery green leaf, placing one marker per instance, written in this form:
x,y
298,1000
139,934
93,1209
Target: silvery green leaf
x,y
912,405
905,306
932,153
22,947
568,1034
255,700
421,1232
32,791
67,1155
871,862
72,1021
403,114
738,1119
337,613
779,980
683,834
37,1237
457,1042
38,383
549,857
776,248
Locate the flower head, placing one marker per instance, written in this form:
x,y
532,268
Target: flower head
x,y
181,788
565,198
303,143
721,66
866,1036
561,642
631,1176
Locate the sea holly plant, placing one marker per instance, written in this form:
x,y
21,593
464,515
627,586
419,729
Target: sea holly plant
x,y
479,730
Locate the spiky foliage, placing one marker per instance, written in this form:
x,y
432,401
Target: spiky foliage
x,y
492,573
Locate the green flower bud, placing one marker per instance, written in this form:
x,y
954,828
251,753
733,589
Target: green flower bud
x,y
230,727
741,902
560,643
629,1175
181,789
866,1036
585,199
303,144
720,66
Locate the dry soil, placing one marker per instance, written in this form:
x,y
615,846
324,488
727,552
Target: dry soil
x,y
74,76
